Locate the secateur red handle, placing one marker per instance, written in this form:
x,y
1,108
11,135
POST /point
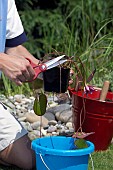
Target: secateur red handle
x,y
37,68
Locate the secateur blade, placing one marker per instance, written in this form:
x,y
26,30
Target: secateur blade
x,y
55,62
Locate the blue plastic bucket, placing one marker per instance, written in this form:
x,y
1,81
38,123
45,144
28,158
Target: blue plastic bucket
x,y
58,153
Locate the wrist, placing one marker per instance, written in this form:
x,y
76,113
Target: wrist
x,y
2,56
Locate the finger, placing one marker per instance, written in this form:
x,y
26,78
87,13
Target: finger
x,y
27,73
22,78
18,82
31,73
25,76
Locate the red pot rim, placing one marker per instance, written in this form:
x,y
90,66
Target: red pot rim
x,y
91,96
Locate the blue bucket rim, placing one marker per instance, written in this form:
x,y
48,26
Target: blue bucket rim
x,y
49,151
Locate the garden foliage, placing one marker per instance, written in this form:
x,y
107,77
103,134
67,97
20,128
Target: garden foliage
x,y
81,28
76,27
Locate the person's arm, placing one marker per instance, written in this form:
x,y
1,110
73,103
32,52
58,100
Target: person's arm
x,y
21,51
13,63
15,66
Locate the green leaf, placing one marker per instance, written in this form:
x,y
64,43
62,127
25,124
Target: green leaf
x,y
43,103
36,107
81,143
40,105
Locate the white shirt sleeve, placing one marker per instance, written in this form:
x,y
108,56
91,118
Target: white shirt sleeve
x,y
14,26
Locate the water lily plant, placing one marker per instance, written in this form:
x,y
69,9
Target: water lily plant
x,y
78,81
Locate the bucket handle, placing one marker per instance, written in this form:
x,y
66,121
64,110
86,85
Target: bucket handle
x,y
44,162
49,169
91,162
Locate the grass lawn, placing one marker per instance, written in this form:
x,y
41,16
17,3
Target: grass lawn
x,y
102,161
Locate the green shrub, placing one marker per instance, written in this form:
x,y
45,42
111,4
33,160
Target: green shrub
x,y
82,28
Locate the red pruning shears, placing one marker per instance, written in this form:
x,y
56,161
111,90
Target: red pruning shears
x,y
47,65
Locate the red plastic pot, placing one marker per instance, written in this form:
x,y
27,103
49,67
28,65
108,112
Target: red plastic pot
x,y
98,117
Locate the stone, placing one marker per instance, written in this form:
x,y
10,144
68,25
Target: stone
x,y
44,132
59,108
55,133
51,129
18,98
64,116
36,125
52,122
30,117
29,127
52,105
49,116
69,125
21,119
32,136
